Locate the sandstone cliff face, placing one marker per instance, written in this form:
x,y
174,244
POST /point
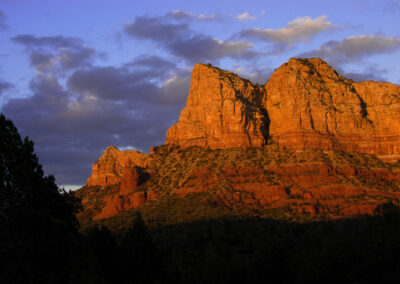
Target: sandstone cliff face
x,y
311,106
222,111
306,104
125,168
113,164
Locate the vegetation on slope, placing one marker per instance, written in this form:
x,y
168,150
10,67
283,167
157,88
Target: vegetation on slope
x,y
198,183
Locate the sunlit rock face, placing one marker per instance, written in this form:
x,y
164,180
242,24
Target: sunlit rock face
x,y
222,111
114,164
125,171
305,104
311,106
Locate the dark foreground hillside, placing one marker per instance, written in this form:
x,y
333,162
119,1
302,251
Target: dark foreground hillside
x,y
260,250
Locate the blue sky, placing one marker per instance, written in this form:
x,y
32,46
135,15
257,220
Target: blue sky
x,y
78,76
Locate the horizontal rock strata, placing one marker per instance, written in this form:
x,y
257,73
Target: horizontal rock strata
x,y
305,104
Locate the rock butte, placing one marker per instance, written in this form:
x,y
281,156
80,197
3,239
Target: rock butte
x,y
305,105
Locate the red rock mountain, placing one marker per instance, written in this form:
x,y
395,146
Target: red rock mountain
x,y
308,141
306,104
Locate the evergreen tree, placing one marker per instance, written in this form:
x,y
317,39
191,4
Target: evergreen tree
x,y
139,257
38,229
104,249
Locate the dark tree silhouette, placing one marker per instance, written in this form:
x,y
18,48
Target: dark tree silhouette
x,y
38,229
104,249
139,258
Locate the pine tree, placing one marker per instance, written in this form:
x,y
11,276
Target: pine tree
x,y
140,259
38,229
103,247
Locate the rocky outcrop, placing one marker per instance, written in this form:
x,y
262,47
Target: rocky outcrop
x,y
305,104
117,203
114,164
222,111
311,106
126,170
131,179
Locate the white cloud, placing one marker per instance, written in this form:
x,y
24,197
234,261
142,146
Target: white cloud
x,y
128,148
245,17
298,30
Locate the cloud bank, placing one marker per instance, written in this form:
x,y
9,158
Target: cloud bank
x,y
180,41
76,108
55,53
355,48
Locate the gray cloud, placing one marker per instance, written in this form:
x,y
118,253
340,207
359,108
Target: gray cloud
x,y
4,86
157,30
107,82
175,90
181,41
299,30
189,16
52,41
147,79
368,74
254,74
392,6
201,48
55,53
130,106
355,48
3,25
152,62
